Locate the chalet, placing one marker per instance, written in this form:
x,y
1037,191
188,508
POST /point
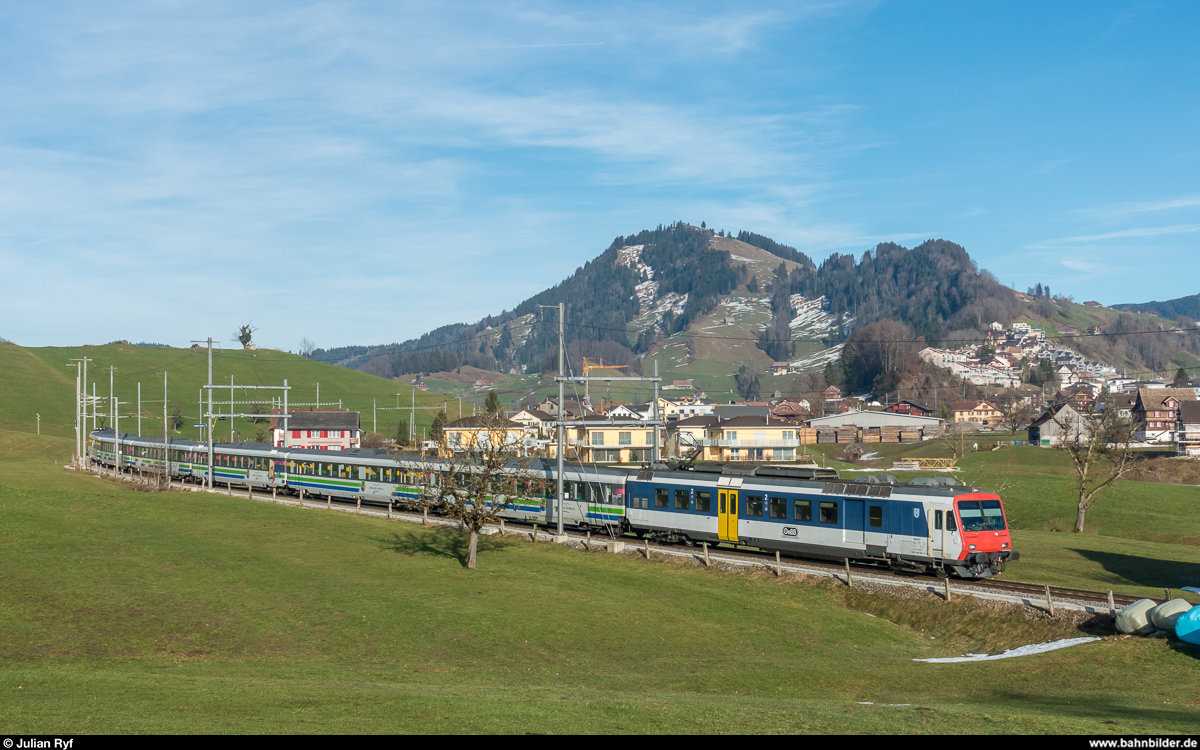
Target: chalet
x,y
324,430
833,393
780,368
1065,330
791,409
481,383
1157,413
1081,396
679,385
1093,303
911,407
980,412
1188,435
420,385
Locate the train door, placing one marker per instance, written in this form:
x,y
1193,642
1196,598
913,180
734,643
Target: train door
x,y
876,532
936,531
852,531
727,515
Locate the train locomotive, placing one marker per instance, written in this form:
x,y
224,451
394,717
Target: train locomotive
x,y
927,525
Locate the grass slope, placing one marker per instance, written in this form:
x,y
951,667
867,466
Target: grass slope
x,y
186,612
36,381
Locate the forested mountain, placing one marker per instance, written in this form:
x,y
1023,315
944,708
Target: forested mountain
x,y
651,285
1189,307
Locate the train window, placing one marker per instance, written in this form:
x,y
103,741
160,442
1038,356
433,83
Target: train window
x,y
993,516
829,512
682,499
778,507
661,497
581,492
802,510
608,496
703,501
754,505
937,520
951,524
875,516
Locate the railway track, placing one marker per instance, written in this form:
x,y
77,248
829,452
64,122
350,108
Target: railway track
x,y
1029,593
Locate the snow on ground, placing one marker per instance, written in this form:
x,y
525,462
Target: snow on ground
x,y
818,360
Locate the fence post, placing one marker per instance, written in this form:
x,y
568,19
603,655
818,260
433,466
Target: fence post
x,y
1112,607
778,569
849,580
647,548
707,564
1049,600
946,581
358,505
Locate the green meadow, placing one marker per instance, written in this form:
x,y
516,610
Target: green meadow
x,y
127,611
186,612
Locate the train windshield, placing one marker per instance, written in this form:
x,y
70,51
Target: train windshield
x,y
981,515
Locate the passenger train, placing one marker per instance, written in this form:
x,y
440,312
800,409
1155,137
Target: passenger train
x,y
927,525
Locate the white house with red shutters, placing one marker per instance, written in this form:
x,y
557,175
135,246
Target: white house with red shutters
x,y
325,430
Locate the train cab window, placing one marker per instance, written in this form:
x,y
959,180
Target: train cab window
x,y
951,524
875,516
661,497
703,501
937,520
828,512
778,507
682,499
802,510
581,492
754,505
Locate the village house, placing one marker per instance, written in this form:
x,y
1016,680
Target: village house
x,y
473,432
1157,413
780,368
980,412
537,422
324,430
1188,434
744,438
614,444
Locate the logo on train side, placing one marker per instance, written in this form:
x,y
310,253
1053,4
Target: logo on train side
x,y
791,531
916,512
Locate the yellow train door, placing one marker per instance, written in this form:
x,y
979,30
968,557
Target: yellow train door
x,y
727,515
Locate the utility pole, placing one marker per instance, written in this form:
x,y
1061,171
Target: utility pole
x,y
139,408
412,416
654,453
211,422
166,435
112,400
558,503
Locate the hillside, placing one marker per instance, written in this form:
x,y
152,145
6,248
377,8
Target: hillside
x,y
702,305
36,381
1189,307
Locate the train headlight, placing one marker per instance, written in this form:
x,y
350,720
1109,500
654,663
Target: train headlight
x,y
1003,545
970,546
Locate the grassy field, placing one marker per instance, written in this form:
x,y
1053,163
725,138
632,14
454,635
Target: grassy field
x,y
185,612
36,381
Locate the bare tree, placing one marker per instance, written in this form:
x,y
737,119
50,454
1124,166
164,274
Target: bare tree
x,y
307,347
1014,412
953,439
1098,442
484,473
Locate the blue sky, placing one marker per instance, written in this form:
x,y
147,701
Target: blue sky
x,y
364,172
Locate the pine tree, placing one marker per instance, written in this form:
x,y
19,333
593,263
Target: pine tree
x,y
492,405
402,433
